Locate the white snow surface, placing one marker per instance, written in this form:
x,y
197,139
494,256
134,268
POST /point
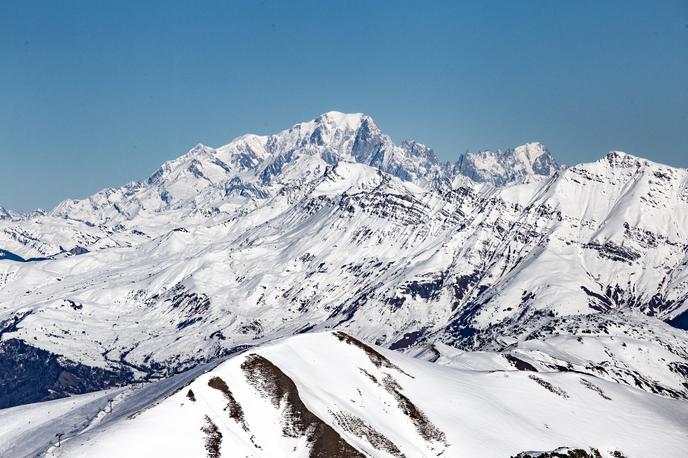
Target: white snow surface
x,y
329,224
471,412
537,291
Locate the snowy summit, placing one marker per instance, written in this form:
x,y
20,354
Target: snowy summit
x,y
502,305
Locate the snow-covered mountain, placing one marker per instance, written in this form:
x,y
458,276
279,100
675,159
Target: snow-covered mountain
x,y
331,395
251,168
522,164
329,224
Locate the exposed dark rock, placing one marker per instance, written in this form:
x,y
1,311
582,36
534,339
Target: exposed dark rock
x,y
360,428
549,387
519,363
424,426
595,388
407,340
213,438
563,453
426,290
297,419
74,305
375,357
77,250
614,252
233,407
11,324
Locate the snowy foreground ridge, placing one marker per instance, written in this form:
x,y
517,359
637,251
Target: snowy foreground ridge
x,y
517,295
329,394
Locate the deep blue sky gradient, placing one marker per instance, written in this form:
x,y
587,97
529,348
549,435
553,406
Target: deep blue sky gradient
x,y
95,93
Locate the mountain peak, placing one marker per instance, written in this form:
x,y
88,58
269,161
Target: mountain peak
x,y
337,118
621,159
530,152
524,163
419,150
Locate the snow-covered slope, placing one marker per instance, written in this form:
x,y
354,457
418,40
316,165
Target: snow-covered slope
x,y
329,394
327,225
624,347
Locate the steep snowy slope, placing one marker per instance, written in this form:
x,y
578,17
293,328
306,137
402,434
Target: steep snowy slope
x,y
330,225
30,430
624,347
329,394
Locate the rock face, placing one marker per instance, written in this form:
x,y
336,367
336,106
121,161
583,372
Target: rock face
x,y
329,224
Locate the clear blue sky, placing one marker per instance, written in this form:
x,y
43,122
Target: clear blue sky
x,y
95,93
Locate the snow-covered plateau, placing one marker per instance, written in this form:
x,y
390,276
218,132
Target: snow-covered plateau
x,y
496,306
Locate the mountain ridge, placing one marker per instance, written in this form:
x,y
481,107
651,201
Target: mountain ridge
x,y
272,236
330,394
252,149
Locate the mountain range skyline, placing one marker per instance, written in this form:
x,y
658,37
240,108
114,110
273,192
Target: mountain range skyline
x,y
96,97
349,229
464,162
568,285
